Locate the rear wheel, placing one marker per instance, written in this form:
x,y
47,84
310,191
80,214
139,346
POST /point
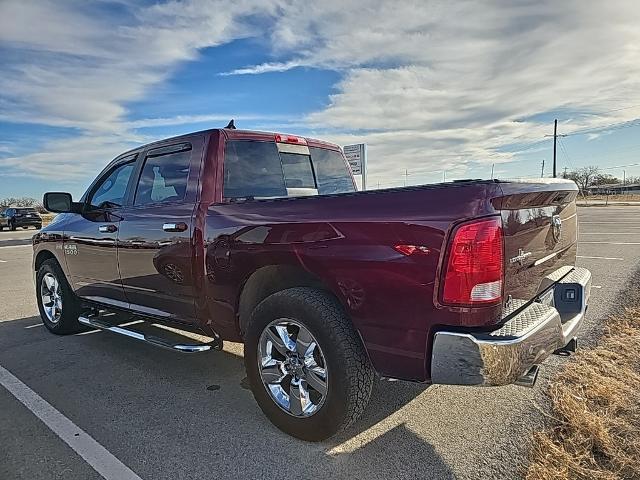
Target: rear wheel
x,y
58,305
306,364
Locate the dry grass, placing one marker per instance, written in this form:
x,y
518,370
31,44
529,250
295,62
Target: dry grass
x,y
46,218
631,197
594,418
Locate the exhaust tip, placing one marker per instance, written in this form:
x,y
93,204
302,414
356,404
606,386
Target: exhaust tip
x,y
529,378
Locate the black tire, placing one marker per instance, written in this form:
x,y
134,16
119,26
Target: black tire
x,y
71,306
350,375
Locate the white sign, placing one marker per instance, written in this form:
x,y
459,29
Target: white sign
x,y
355,155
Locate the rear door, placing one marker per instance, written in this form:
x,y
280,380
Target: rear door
x,y
89,245
155,248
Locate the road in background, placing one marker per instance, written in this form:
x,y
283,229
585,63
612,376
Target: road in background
x,y
172,416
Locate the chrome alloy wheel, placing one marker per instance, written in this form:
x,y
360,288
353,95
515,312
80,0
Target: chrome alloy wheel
x,y
51,296
292,367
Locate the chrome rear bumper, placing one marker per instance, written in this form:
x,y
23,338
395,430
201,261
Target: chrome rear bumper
x,y
505,355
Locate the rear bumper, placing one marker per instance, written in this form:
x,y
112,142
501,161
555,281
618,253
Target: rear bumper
x,y
503,356
25,222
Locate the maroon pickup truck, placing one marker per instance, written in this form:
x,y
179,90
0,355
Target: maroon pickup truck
x,y
262,238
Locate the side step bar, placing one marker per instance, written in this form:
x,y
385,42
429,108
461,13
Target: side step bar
x,y
94,322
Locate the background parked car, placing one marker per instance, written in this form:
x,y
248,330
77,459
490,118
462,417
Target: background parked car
x,y
25,217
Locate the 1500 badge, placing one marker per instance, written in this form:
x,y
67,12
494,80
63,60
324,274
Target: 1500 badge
x,y
70,249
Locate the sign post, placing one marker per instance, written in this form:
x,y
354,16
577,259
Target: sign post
x,y
356,155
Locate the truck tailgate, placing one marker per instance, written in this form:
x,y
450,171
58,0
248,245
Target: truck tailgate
x,y
540,234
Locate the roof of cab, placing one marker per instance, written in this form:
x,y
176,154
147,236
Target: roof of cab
x,y
235,134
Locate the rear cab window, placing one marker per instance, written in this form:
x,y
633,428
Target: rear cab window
x,y
262,169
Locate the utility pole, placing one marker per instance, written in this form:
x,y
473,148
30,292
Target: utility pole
x,y
444,176
492,166
406,176
555,143
542,173
564,175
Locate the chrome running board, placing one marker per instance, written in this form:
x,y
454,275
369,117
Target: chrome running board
x,y
94,322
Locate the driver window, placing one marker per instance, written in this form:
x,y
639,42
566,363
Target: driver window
x,y
111,191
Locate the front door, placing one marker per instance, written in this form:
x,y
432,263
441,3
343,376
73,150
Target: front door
x,y
90,240
155,250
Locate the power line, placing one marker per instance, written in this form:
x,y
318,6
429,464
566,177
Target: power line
x,y
611,126
566,153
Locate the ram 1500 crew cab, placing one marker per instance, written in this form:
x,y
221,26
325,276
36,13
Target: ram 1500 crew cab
x,y
262,238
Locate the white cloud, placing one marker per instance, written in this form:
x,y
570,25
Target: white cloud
x,y
428,85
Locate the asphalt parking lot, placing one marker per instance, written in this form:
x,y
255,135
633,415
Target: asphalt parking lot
x,y
171,416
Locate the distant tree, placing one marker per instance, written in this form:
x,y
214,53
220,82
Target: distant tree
x,y
632,180
584,176
605,179
21,202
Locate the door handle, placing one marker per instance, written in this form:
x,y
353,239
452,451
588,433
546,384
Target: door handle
x,y
174,227
107,228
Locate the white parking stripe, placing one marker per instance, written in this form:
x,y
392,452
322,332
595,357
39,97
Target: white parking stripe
x,y
98,457
611,243
600,258
16,246
609,233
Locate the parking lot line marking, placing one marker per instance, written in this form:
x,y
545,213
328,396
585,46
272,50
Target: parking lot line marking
x,y
98,457
600,258
16,246
596,286
34,326
3,261
609,233
612,243
607,223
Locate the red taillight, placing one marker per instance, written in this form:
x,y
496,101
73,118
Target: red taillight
x,y
475,269
290,139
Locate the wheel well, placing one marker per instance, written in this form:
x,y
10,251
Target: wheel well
x,y
271,279
42,257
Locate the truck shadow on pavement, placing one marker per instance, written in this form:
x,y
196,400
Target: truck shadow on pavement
x,y
169,415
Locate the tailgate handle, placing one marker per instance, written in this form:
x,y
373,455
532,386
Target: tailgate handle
x,y
107,228
174,227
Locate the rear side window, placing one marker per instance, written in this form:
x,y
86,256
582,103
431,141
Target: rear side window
x,y
253,169
164,176
331,171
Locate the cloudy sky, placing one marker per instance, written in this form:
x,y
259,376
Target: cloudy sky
x,y
430,86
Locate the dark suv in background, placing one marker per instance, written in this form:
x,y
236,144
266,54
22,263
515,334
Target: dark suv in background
x,y
14,217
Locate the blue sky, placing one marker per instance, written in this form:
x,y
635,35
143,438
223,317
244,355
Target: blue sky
x,y
430,86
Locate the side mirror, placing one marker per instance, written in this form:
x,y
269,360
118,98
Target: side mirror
x,y
59,202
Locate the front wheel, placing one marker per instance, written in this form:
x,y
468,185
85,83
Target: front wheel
x,y
306,364
58,305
